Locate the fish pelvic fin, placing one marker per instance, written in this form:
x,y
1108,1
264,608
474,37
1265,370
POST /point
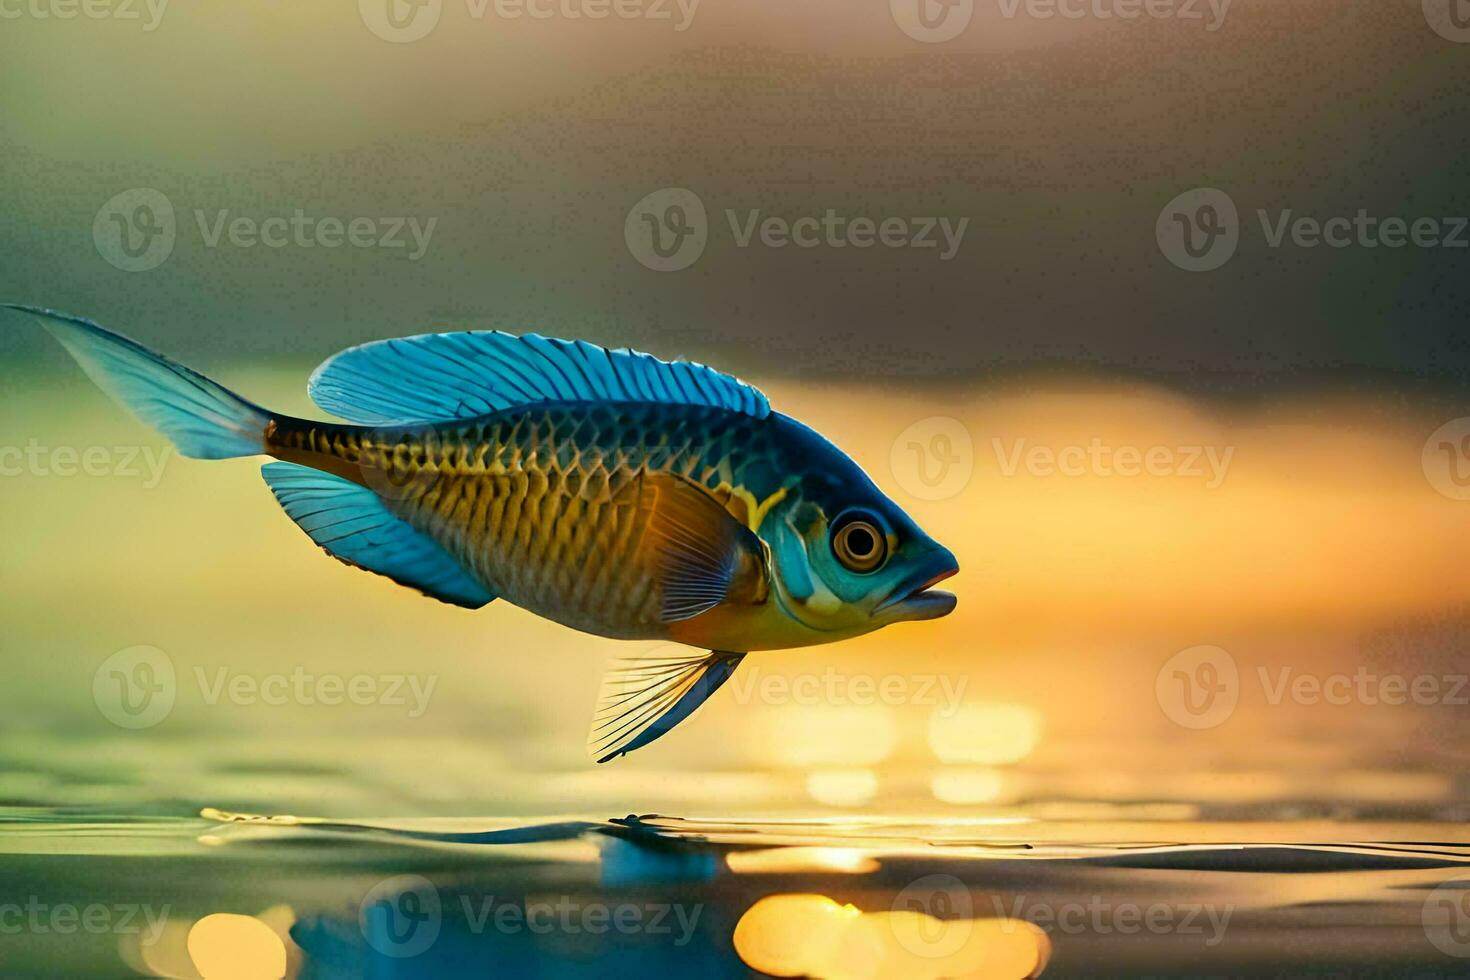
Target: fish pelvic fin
x,y
645,696
203,419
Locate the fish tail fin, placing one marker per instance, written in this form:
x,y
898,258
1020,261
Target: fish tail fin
x,y
202,419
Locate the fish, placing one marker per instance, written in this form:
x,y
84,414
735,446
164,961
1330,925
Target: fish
x,y
603,489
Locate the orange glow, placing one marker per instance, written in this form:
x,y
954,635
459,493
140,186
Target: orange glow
x,y
225,946
784,860
811,935
842,787
968,785
989,734
792,935
830,735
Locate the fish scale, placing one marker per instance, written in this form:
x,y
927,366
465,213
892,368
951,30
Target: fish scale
x,y
547,522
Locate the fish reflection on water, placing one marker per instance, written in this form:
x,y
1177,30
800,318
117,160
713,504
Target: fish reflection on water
x,y
653,896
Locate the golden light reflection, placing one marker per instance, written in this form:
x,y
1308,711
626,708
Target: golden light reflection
x,y
220,946
985,734
810,736
786,860
166,956
968,785
842,787
792,935
812,935
226,946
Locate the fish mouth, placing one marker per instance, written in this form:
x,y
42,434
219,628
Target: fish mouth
x,y
915,598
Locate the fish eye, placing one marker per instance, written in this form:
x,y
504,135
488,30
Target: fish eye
x,y
859,544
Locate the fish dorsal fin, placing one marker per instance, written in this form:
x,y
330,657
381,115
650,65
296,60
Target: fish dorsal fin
x,y
645,696
446,376
352,525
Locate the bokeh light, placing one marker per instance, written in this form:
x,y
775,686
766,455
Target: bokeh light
x,y
812,935
985,734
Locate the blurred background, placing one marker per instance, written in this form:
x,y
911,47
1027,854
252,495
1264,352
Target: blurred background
x,y
251,190
1045,277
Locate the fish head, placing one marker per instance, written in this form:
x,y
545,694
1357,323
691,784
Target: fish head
x,y
844,558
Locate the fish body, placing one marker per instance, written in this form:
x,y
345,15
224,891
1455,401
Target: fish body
x,y
608,491
550,507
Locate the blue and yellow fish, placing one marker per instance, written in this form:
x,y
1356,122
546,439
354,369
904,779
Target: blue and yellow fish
x,y
605,490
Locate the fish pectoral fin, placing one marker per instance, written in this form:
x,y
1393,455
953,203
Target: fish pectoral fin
x,y
352,524
701,554
644,697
